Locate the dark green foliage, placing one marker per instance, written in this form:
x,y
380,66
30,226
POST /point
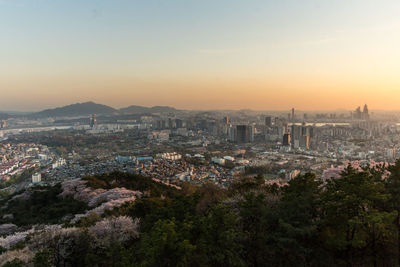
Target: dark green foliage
x,y
306,223
19,178
244,185
129,181
166,244
220,239
257,169
296,234
43,206
355,228
351,221
14,263
393,188
43,258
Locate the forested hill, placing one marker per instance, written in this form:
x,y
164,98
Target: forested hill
x,y
88,108
78,109
126,220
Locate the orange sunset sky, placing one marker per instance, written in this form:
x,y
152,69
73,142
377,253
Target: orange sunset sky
x,y
228,54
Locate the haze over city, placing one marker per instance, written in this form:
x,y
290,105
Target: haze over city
x,y
228,54
199,133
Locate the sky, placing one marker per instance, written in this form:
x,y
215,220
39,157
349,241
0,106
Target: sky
x,y
203,54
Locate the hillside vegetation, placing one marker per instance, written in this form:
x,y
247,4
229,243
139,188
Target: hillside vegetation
x,y
351,221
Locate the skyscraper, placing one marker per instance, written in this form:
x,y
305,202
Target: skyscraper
x,y
244,133
241,133
225,120
3,124
268,121
93,120
365,113
296,131
361,115
304,141
286,139
231,133
293,118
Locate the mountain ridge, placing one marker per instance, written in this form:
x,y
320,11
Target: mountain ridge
x,y
90,107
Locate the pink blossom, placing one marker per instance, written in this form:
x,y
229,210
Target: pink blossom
x,y
25,255
114,229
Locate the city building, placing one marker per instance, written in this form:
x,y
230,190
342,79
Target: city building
x,y
361,115
3,124
268,121
93,120
244,133
36,178
286,140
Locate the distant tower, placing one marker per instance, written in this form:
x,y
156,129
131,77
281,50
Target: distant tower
x,y
357,114
268,121
241,133
365,114
226,120
244,133
286,139
93,120
293,115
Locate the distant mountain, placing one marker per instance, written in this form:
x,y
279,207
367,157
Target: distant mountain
x,y
78,109
140,109
87,108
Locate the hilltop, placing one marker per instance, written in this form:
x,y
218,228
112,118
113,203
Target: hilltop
x,y
87,108
78,109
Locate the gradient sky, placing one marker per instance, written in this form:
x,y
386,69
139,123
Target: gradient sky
x,y
270,54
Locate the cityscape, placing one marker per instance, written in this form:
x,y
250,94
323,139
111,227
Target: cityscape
x,y
71,145
194,146
225,133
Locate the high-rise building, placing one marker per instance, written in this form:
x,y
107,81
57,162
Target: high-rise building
x,y
286,139
361,115
293,116
309,131
171,123
3,124
231,133
268,121
225,120
242,133
296,131
304,142
93,120
178,123
365,114
251,133
300,135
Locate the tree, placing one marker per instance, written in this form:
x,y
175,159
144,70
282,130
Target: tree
x,y
14,263
354,226
298,217
256,218
221,239
166,245
393,188
43,258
